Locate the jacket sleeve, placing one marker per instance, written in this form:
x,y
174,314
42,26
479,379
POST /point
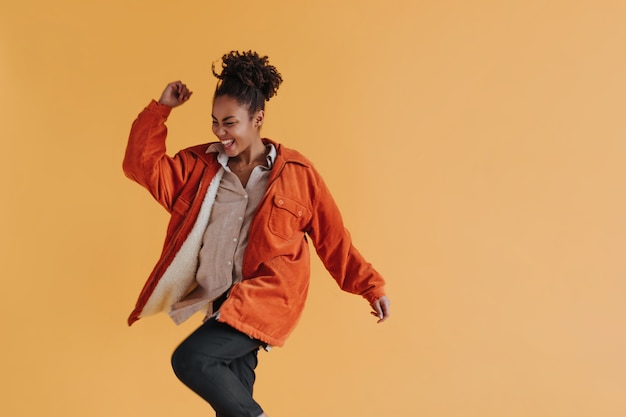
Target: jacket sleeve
x,y
334,246
146,162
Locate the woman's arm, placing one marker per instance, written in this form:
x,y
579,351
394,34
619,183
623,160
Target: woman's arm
x,y
334,246
145,160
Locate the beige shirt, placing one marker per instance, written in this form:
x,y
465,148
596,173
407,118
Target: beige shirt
x,y
226,237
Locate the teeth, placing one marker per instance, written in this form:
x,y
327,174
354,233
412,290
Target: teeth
x,y
228,142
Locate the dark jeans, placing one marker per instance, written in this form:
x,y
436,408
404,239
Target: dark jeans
x,y
217,362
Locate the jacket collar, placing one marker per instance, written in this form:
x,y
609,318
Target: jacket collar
x,y
208,153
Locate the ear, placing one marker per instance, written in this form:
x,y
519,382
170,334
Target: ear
x,y
258,118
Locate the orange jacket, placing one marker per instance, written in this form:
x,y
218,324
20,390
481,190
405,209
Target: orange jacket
x,y
268,302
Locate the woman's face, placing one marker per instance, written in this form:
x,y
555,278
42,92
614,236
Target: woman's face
x,y
234,127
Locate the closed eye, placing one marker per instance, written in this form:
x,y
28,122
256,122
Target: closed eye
x,y
215,123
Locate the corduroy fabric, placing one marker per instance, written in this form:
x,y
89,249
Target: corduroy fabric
x,y
267,304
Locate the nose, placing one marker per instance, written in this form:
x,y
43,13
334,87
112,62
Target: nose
x,y
219,130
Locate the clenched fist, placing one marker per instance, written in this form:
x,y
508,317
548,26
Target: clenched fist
x,y
175,94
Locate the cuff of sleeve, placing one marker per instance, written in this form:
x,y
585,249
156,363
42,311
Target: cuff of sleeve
x,y
158,108
372,296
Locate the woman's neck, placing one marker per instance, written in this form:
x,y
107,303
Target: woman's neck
x,y
256,152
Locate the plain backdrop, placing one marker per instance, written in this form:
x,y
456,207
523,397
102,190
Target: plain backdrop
x,y
475,148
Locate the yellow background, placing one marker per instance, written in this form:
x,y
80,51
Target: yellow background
x,y
476,149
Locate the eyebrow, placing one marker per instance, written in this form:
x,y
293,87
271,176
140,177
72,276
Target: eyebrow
x,y
224,119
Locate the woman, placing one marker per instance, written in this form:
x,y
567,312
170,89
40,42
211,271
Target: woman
x,y
236,244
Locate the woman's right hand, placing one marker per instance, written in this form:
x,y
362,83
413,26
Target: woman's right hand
x,y
175,94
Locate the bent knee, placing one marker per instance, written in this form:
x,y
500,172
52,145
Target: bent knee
x,y
188,362
184,361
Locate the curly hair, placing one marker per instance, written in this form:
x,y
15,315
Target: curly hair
x,y
247,77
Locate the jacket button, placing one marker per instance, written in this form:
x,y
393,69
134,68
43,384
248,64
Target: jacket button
x,y
281,202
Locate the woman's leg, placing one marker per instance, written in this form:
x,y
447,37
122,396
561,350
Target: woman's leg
x,y
244,367
217,362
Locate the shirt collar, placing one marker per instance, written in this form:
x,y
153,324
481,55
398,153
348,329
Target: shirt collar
x,y
222,158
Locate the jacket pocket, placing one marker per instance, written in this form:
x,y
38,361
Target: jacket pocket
x,y
286,216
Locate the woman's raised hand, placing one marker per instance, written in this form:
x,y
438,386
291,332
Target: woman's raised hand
x,y
175,94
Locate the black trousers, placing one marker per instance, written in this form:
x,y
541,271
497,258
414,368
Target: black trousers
x,y
217,362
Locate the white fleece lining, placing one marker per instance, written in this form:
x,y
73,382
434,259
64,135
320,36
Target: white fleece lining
x,y
181,273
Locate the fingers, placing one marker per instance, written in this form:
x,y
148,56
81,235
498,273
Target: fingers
x,y
381,309
182,92
378,311
175,94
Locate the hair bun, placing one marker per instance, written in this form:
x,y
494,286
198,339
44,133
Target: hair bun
x,y
251,70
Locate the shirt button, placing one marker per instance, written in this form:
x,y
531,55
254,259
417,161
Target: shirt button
x,y
235,239
281,202
300,213
240,218
230,263
245,196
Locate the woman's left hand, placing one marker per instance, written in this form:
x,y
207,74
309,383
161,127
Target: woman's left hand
x,y
381,308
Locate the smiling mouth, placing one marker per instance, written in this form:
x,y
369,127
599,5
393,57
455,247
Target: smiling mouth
x,y
228,143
